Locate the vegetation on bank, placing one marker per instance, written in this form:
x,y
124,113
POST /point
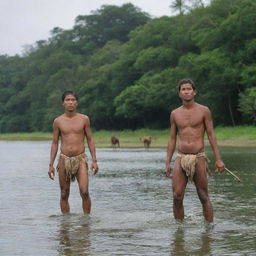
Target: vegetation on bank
x,y
227,136
125,65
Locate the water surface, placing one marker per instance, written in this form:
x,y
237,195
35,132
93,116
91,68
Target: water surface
x,y
131,207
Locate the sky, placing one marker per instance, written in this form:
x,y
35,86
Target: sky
x,y
23,22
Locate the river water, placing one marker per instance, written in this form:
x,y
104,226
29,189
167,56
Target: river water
x,y
131,207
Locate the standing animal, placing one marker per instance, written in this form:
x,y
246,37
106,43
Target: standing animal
x,y
146,140
115,142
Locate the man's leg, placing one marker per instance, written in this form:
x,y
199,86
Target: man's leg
x,y
64,188
179,183
83,181
201,183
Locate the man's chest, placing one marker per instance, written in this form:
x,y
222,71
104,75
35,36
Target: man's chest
x,y
72,127
189,119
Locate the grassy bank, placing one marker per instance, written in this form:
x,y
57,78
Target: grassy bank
x,y
236,136
227,136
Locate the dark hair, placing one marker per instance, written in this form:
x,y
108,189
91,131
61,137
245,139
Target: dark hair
x,y
67,93
186,81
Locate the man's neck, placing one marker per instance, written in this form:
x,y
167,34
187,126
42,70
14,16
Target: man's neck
x,y
188,104
70,114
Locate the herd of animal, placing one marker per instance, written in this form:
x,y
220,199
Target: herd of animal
x,y
146,140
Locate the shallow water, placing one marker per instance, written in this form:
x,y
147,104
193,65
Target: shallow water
x,y
131,207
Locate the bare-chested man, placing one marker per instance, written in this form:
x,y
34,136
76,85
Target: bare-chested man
x,y
189,122
72,128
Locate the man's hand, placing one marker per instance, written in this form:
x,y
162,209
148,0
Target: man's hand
x,y
94,167
168,171
51,172
219,166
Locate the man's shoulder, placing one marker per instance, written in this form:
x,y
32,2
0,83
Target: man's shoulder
x,y
176,110
58,118
202,107
85,117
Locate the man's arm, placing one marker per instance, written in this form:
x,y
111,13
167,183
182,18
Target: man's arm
x,y
91,145
171,146
54,149
213,141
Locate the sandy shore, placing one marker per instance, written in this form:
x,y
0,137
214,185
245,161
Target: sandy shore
x,y
235,143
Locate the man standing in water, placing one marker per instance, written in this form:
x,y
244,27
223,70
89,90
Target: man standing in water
x,y
72,128
190,122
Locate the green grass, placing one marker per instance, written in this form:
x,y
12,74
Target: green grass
x,y
33,136
128,138
238,132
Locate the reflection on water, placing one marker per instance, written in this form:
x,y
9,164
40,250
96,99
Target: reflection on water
x,y
74,235
131,207
184,242
178,243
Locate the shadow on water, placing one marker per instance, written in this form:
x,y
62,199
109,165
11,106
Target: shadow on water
x,y
73,235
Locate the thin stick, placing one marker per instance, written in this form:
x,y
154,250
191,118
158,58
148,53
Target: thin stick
x,y
236,177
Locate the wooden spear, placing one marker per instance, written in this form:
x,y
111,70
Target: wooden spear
x,y
235,176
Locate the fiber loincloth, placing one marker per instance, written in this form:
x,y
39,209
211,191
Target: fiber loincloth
x,y
71,164
189,161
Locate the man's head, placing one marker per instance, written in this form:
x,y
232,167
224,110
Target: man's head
x,y
69,93
187,90
69,101
187,81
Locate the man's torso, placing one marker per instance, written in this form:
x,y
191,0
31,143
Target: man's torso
x,y
72,133
191,127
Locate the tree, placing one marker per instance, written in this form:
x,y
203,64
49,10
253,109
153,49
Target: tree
x,y
125,67
95,85
179,5
247,104
130,104
108,23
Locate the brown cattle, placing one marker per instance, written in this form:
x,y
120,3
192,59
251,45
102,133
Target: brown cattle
x,y
115,142
146,140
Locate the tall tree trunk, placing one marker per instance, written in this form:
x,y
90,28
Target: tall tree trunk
x,y
231,112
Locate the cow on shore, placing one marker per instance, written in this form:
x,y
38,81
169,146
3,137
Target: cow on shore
x,y
146,141
115,142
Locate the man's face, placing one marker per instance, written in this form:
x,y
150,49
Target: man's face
x,y
186,92
70,103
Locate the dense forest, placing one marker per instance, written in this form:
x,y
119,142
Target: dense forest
x,y
125,66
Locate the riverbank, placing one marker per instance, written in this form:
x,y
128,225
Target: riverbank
x,y
226,136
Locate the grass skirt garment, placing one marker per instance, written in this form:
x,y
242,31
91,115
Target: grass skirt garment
x,y
189,161
71,164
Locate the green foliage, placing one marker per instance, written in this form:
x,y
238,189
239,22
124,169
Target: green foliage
x,y
125,67
130,102
162,57
248,76
108,23
247,104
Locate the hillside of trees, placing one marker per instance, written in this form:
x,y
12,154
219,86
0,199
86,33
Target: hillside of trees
x,y
125,66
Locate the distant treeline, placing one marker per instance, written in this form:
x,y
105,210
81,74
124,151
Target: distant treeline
x,y
125,66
